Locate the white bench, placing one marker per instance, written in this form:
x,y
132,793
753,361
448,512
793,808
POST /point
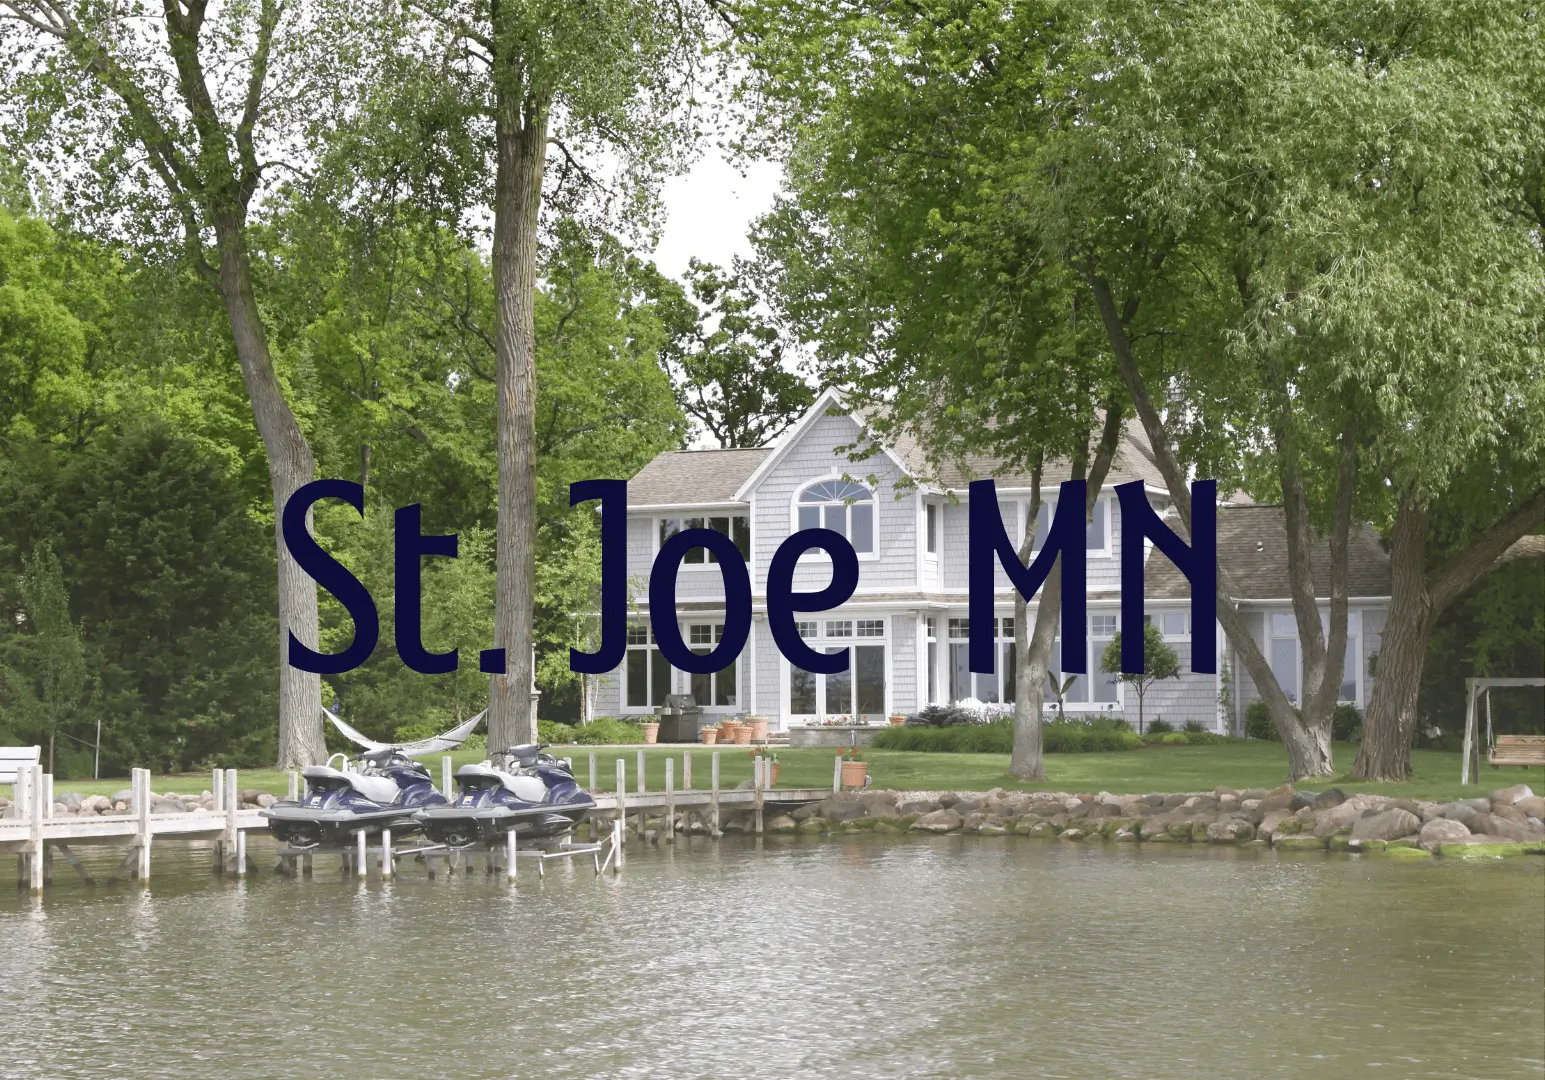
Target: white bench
x,y
13,759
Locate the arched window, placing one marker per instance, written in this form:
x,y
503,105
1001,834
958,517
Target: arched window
x,y
842,506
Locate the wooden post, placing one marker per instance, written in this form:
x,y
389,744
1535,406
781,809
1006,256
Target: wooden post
x,y
445,776
142,823
232,805
622,791
641,772
713,798
670,799
617,833
512,854
217,846
593,789
241,853
35,834
48,796
759,780
360,869
386,854
686,770
1464,768
294,785
837,774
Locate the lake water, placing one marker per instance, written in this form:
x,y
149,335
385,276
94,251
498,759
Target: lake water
x,y
853,957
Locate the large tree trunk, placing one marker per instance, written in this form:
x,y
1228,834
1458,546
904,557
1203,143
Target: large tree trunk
x,y
1307,754
521,154
1417,598
1026,761
1033,653
290,465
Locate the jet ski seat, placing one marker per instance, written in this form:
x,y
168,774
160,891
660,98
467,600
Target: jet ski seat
x,y
525,788
378,789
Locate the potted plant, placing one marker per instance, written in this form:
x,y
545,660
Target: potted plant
x,y
708,736
855,770
769,765
758,726
651,731
897,719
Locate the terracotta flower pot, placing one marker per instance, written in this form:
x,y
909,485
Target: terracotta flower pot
x,y
742,734
651,733
758,726
772,774
898,720
708,735
853,773
727,731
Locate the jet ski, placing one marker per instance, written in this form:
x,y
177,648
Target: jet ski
x,y
528,792
381,788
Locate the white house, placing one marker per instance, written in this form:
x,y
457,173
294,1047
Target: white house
x,y
907,622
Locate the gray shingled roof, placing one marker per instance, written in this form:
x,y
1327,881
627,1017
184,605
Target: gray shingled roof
x,y
1252,546
694,476
710,476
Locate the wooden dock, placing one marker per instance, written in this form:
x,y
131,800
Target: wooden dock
x,y
35,835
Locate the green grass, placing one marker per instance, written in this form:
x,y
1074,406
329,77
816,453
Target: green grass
x,y
1239,764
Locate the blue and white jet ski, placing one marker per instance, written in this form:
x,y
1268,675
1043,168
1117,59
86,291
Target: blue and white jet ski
x,y
381,788
520,790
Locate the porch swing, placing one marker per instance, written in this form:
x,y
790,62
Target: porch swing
x,y
1527,751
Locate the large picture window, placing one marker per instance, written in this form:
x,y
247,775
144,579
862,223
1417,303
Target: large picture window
x,y
857,692
1098,688
842,506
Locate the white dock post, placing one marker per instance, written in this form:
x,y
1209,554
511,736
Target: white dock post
x,y
48,795
640,773
232,804
686,770
142,822
670,799
241,853
35,819
217,791
592,787
758,780
713,798
386,854
445,776
622,791
837,774
294,784
511,859
617,846
359,854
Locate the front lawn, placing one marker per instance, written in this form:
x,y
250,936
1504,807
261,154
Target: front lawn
x,y
1238,765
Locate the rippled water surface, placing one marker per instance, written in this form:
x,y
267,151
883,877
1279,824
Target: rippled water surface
x,y
860,957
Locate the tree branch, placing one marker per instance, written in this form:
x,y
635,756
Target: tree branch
x,y
1487,551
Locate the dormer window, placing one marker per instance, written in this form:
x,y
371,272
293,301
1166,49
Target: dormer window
x,y
842,506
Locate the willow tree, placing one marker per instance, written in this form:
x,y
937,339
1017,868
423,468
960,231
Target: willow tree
x,y
157,125
516,110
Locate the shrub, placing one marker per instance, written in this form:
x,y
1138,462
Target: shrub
x,y
603,729
409,733
1076,737
996,737
1258,723
1346,724
1173,738
1193,725
947,716
1158,727
1205,738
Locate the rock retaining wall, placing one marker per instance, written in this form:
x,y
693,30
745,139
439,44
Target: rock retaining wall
x,y
1508,822
75,805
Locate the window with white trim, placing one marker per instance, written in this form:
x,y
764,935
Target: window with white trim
x,y
843,506
931,633
1095,688
646,672
931,527
1096,529
717,688
1283,627
857,692
736,526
